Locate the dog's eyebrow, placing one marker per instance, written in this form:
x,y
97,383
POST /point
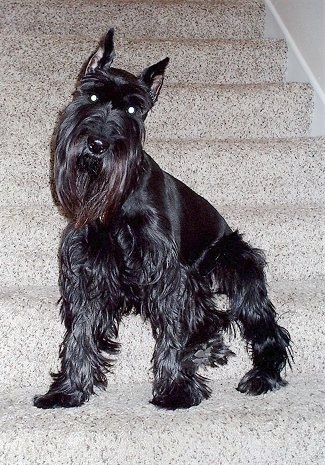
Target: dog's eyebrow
x,y
119,97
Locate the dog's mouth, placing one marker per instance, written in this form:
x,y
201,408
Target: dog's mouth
x,y
90,164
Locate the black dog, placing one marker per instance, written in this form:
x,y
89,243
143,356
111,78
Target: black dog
x,y
141,241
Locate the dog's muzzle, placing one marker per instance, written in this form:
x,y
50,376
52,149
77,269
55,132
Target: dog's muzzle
x,y
90,161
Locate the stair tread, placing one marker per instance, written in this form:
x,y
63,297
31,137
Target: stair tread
x,y
31,154
120,426
221,63
38,217
30,298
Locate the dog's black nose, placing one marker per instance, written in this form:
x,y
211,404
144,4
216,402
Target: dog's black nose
x,y
96,145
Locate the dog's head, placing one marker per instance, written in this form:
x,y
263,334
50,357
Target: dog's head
x,y
98,145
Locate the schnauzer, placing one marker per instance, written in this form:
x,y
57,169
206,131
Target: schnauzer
x,y
140,241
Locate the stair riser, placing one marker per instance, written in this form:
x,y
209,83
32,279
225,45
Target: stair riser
x,y
190,112
222,62
293,242
231,174
36,328
140,19
232,112
269,189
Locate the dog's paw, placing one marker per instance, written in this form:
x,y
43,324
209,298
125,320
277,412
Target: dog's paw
x,y
57,400
182,395
212,352
176,401
258,381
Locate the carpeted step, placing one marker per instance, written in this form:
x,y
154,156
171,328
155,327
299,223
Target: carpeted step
x,y
224,82
30,338
121,427
227,112
143,18
221,61
182,112
238,173
291,235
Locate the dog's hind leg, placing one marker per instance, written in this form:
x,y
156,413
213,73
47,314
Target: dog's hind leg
x,y
237,270
89,311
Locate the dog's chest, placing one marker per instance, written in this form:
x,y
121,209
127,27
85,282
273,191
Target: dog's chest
x,y
146,251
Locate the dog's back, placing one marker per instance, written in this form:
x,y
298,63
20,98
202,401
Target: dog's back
x,y
196,224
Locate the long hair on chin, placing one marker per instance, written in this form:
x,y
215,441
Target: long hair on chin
x,y
86,196
102,196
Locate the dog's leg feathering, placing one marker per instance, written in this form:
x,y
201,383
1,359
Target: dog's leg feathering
x,y
87,309
237,270
188,333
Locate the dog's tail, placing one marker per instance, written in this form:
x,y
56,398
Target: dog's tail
x,y
225,259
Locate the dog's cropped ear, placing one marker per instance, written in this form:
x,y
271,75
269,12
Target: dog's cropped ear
x,y
153,77
104,55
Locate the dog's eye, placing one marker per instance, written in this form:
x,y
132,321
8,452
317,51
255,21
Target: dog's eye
x,y
93,98
131,110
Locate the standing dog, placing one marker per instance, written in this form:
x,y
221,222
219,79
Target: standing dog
x,y
140,241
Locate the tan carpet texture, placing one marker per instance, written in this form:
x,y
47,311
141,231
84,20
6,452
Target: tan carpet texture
x,y
228,125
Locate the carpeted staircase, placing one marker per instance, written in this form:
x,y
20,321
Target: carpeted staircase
x,y
229,126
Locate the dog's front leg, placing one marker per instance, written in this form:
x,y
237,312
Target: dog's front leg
x,y
172,388
174,385
89,309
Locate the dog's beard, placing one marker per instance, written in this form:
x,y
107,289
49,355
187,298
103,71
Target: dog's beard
x,y
96,189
